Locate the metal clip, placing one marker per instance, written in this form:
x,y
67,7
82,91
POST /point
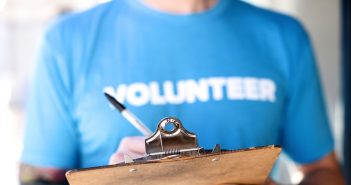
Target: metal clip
x,y
171,142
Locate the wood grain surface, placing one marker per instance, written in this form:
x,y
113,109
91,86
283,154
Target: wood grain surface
x,y
249,166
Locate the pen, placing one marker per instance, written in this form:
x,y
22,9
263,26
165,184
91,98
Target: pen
x,y
128,115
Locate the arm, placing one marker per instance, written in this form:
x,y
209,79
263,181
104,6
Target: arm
x,y
325,171
50,140
306,133
31,175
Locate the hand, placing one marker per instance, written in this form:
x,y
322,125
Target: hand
x,y
132,146
325,171
269,181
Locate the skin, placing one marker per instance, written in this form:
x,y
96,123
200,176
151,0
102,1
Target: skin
x,y
31,175
180,6
324,171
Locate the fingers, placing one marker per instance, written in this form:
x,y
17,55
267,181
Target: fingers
x,y
131,146
116,158
135,144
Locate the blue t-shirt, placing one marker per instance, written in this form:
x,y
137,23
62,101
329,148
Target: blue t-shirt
x,y
235,74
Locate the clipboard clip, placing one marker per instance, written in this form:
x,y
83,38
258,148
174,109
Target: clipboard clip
x,y
171,142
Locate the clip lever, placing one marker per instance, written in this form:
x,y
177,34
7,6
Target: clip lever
x,y
176,141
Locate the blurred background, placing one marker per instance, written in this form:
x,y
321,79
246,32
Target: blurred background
x,y
22,23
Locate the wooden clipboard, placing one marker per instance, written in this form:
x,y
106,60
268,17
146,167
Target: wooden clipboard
x,y
183,165
250,166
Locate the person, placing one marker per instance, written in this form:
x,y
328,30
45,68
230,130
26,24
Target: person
x,y
233,73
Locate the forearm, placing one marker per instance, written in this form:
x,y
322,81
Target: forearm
x,y
30,175
323,177
41,182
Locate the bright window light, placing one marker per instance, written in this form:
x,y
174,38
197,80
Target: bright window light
x,y
2,4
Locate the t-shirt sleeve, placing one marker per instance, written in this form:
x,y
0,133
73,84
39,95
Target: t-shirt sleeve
x,y
50,135
306,134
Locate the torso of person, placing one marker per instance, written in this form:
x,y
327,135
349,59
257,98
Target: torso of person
x,y
226,73
223,76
